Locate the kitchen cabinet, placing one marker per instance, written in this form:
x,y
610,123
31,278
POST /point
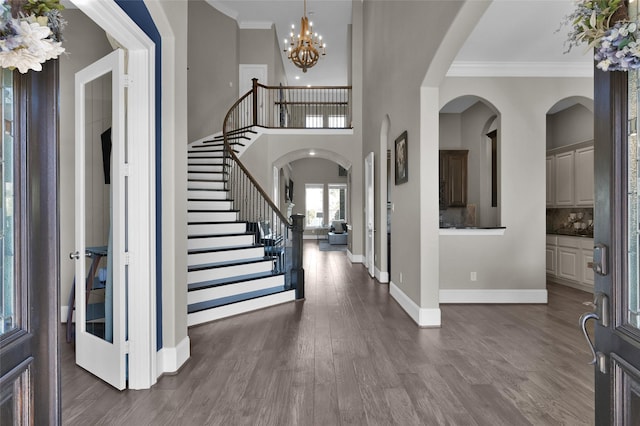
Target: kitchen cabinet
x,y
567,261
570,176
551,194
453,178
584,191
564,178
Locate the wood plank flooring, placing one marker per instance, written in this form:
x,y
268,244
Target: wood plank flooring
x,y
349,355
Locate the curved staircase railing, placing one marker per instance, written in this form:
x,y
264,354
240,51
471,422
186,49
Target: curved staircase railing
x,y
285,108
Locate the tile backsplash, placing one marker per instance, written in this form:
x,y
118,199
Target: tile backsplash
x,y
564,219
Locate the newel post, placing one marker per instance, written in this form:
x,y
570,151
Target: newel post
x,y
297,273
255,101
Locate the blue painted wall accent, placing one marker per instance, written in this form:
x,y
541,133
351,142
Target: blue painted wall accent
x,y
139,13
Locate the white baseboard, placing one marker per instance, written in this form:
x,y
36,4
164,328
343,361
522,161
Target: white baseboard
x,y
169,360
493,296
423,317
382,277
355,258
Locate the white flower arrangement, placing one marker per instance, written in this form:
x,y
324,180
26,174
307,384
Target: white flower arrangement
x,y
28,41
606,28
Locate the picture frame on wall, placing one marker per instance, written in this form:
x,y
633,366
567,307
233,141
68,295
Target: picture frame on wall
x,y
402,171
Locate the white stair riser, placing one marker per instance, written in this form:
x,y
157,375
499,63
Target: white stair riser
x,y
233,289
222,241
194,217
204,160
209,205
205,185
223,256
212,168
203,153
240,307
214,177
229,271
216,228
207,195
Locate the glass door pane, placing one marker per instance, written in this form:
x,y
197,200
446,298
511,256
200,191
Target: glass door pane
x,y
8,293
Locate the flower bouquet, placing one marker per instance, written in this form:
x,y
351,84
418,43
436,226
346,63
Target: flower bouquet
x,y
33,37
605,26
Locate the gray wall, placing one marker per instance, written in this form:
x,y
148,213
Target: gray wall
x,y
85,43
261,47
213,68
569,126
395,70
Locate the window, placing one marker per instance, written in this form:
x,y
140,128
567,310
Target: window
x,y
337,121
314,200
314,121
8,286
337,201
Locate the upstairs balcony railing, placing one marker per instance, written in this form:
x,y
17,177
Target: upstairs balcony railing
x,y
284,108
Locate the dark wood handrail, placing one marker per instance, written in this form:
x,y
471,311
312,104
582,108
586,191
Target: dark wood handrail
x,y
252,179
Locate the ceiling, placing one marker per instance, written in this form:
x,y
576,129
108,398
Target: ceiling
x,y
513,38
331,19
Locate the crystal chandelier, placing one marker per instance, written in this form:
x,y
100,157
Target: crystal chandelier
x,y
303,48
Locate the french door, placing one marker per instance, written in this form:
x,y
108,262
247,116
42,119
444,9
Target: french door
x,y
100,234
616,349
369,212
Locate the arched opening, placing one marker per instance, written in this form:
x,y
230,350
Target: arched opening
x,y
469,184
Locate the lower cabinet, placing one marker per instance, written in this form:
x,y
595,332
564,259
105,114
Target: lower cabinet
x,y
568,259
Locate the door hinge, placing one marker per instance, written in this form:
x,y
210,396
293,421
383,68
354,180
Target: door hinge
x,y
125,169
126,347
127,258
126,80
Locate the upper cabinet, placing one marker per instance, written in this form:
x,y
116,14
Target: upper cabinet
x,y
584,176
570,177
565,179
453,178
551,193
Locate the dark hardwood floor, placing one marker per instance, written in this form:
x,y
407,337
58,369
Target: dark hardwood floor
x,y
350,355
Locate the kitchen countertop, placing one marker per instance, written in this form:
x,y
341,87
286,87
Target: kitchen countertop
x,y
570,233
472,230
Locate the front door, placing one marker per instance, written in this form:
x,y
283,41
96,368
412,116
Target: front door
x,y
616,355
101,238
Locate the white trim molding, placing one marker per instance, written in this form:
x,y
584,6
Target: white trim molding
x,y
255,25
494,296
427,318
355,258
169,360
472,231
383,277
520,69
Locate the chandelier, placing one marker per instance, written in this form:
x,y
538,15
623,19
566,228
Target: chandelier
x,y
303,48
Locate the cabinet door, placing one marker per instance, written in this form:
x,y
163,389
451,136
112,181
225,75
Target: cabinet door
x,y
552,260
551,195
564,179
453,171
584,194
587,272
569,260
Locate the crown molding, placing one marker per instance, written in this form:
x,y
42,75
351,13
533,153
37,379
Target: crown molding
x,y
519,69
233,14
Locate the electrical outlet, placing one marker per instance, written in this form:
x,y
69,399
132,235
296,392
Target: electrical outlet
x,y
474,276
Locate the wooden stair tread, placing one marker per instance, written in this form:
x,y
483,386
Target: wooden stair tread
x,y
210,304
232,280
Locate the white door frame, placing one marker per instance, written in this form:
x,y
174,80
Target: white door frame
x,y
141,200
369,172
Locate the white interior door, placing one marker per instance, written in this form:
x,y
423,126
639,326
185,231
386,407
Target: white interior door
x,y
100,237
369,212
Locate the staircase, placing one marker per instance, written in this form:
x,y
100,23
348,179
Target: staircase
x,y
230,271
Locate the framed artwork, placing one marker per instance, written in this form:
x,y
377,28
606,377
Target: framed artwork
x,y
402,173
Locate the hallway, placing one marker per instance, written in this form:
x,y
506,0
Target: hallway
x,y
350,355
